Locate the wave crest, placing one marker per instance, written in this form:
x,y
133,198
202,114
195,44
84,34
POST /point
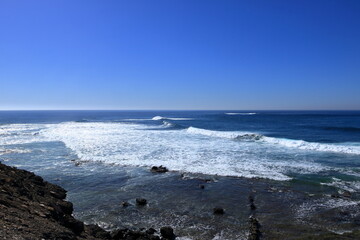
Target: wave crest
x,y
156,118
240,113
290,143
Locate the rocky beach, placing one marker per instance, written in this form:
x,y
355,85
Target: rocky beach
x,y
32,208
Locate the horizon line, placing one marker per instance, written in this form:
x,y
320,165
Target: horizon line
x,y
3,110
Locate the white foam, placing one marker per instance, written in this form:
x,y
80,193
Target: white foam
x,y
179,150
223,134
311,146
12,134
231,113
4,151
156,118
353,186
289,143
192,150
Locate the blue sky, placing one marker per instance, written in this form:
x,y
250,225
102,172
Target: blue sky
x,y
190,54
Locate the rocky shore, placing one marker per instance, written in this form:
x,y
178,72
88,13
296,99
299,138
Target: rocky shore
x,y
31,208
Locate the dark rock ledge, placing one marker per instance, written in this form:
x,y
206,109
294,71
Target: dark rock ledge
x,y
31,208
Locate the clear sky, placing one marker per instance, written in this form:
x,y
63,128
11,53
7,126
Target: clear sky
x,y
180,54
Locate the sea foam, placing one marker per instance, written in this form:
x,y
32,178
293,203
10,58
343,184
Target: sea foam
x,y
190,150
290,143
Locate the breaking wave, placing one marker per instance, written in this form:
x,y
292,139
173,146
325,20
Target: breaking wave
x,y
166,118
240,113
299,144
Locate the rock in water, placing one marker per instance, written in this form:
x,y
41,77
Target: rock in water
x,y
167,233
218,211
254,229
160,169
125,204
141,201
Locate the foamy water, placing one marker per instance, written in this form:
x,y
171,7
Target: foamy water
x,y
192,150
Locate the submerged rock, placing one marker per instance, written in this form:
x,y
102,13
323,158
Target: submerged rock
x,y
254,229
160,169
167,233
141,201
218,211
150,231
125,204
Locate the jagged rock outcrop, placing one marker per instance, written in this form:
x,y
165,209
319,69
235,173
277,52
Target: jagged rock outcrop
x,y
31,208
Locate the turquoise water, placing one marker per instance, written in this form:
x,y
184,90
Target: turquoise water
x,y
103,158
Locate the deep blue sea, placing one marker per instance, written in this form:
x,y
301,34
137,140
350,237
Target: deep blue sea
x,y
103,158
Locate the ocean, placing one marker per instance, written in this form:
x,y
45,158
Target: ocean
x,y
302,167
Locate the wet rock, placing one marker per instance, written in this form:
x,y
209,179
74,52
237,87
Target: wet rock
x,y
167,233
98,232
335,195
202,186
160,169
132,235
252,203
141,201
151,231
346,194
125,204
218,211
254,229
75,225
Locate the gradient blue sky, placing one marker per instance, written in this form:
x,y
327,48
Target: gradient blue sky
x,y
190,54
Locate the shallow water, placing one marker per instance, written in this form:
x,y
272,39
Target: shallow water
x,y
289,162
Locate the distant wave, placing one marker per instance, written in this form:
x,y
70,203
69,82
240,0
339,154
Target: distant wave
x,y
343,129
226,134
240,113
166,118
300,144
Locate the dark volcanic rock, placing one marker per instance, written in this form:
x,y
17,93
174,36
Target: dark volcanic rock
x,y
132,235
254,229
160,169
31,208
218,211
125,204
141,201
167,233
150,231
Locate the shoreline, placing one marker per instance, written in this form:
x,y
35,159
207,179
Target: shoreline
x,y
32,208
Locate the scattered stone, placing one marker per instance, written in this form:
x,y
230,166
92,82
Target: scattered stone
x,y
335,195
125,204
252,204
160,169
98,232
346,194
141,201
254,229
218,211
151,231
167,233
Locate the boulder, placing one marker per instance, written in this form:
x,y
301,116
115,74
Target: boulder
x,y
141,201
167,233
218,211
160,169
